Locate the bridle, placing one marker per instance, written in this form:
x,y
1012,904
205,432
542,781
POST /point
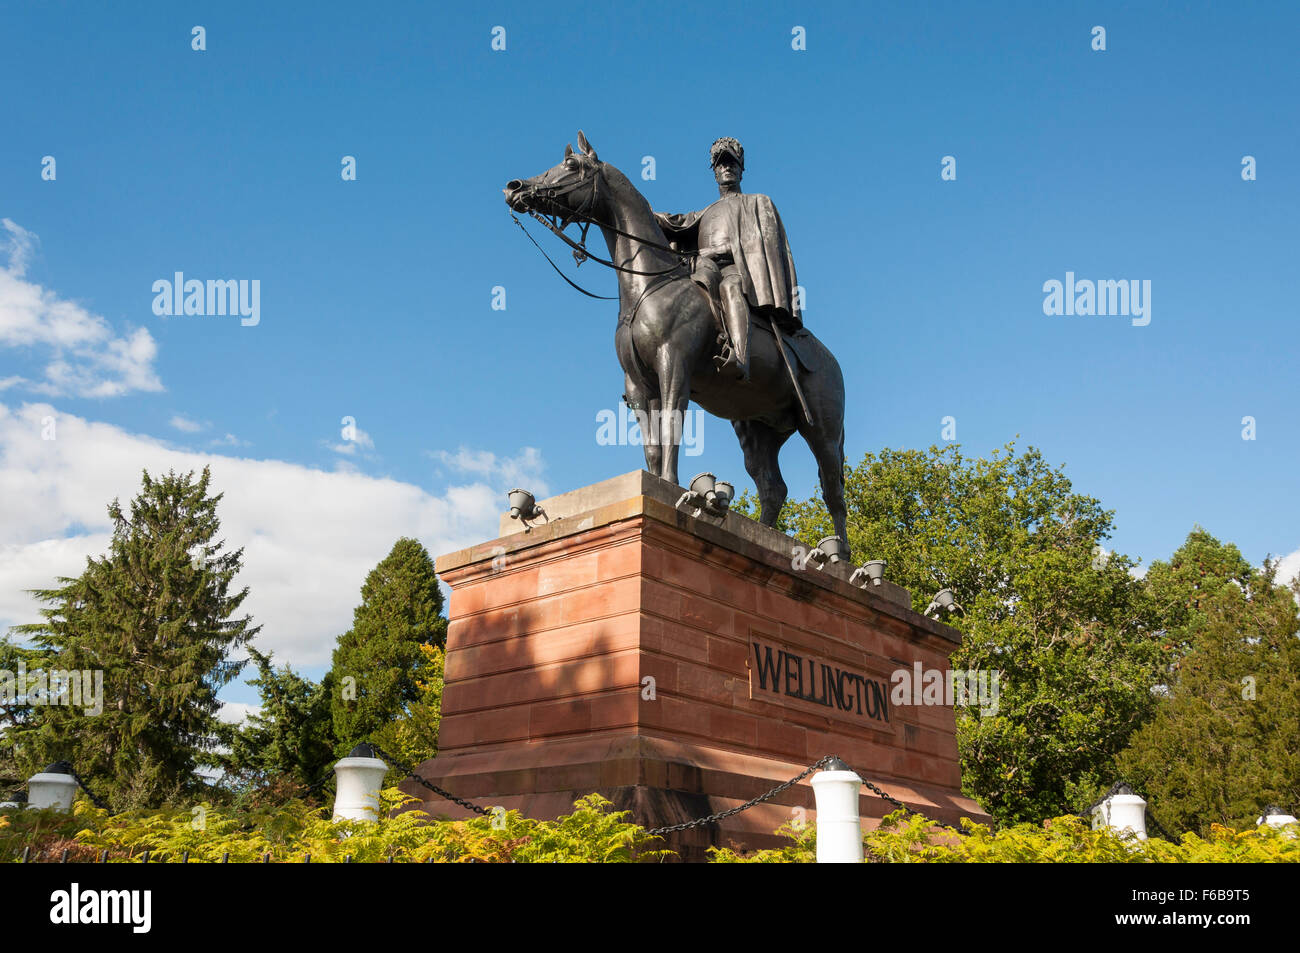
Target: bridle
x,y
585,220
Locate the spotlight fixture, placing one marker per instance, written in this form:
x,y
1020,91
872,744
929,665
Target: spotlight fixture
x,y
708,494
943,599
831,549
869,573
523,507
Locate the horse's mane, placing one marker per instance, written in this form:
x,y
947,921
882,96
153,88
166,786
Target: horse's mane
x,y
615,174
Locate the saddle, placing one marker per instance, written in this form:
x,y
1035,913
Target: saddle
x,y
708,276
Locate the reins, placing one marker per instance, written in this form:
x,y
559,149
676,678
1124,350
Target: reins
x,y
580,251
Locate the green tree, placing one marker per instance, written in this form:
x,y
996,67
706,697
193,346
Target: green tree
x,y
156,617
289,738
379,662
413,737
1064,624
1223,742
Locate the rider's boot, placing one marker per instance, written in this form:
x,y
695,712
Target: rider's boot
x,y
735,315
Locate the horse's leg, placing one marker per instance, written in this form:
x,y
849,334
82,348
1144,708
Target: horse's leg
x,y
827,445
674,400
761,445
638,396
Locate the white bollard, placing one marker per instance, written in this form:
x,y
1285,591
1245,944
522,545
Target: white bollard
x,y
359,777
839,824
55,787
1276,818
1122,811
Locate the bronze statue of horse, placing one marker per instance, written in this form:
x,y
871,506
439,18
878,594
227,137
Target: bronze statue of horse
x,y
667,334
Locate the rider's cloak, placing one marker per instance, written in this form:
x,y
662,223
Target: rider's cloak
x,y
758,246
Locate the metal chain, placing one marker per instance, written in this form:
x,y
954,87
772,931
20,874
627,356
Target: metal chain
x,y
888,797
656,831
714,818
97,801
393,762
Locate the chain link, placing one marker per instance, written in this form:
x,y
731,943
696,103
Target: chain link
x,y
714,818
888,797
656,831
394,763
97,801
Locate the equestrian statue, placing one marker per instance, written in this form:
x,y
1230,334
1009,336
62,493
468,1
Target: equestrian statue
x,y
710,311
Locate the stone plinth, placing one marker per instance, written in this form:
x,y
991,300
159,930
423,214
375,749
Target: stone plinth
x,y
679,666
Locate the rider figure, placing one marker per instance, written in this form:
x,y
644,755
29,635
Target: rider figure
x,y
743,257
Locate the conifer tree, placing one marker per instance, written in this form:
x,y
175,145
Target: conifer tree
x,y
379,663
1224,740
289,740
156,617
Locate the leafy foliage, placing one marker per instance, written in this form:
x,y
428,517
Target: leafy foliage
x,y
379,662
290,833
289,737
1065,626
592,833
156,616
1223,741
912,838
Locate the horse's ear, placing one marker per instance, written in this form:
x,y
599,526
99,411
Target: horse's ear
x,y
585,146
568,151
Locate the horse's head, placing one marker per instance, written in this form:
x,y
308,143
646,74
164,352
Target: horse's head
x,y
568,190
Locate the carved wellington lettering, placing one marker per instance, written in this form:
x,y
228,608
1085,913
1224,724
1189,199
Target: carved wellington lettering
x,y
807,679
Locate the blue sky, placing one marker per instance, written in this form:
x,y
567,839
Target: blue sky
x,y
376,293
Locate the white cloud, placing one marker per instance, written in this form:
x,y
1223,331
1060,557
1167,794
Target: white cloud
x,y
1288,567
185,425
309,536
523,469
358,440
86,356
235,713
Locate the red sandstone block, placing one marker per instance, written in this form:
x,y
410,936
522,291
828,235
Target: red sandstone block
x,y
619,772
704,613
778,737
501,724
616,710
455,732
672,714
735,727
702,682
734,591
509,588
683,642
622,560
662,670
465,600
680,570
606,599
779,607
556,718
568,572
652,560
729,654
660,599
544,683
617,633
747,625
